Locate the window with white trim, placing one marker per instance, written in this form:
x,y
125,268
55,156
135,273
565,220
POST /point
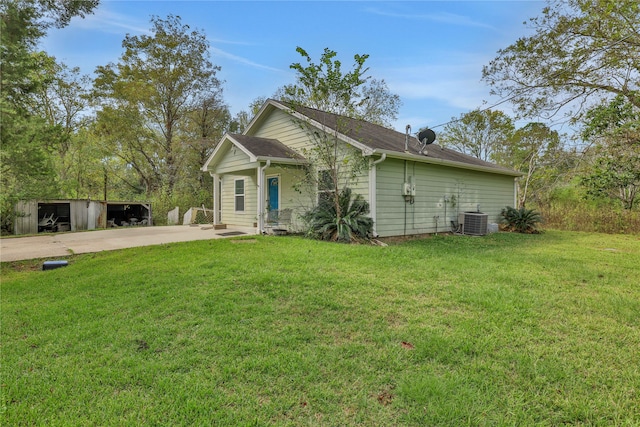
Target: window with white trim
x,y
326,187
239,194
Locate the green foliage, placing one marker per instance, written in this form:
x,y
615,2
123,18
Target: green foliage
x,y
479,133
614,128
242,119
324,86
581,50
29,139
574,213
521,220
337,165
536,151
162,202
612,179
346,221
162,93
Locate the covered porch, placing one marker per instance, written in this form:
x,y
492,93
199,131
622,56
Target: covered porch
x,y
256,183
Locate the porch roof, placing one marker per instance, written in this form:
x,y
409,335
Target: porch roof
x,y
266,148
257,149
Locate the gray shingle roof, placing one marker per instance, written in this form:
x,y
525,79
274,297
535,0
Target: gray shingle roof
x,y
266,147
378,137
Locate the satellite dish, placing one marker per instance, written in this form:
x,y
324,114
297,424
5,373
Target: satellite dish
x,y
427,136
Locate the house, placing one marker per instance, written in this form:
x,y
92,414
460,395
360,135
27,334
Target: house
x,y
411,188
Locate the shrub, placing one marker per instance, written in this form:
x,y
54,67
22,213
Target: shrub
x,y
349,224
521,220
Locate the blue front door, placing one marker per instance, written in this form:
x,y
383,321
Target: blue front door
x,y
273,183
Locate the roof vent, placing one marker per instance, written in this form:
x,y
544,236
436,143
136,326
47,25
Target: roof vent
x,y
406,138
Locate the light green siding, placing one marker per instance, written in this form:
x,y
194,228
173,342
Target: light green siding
x,y
283,127
465,190
247,217
292,196
233,159
288,130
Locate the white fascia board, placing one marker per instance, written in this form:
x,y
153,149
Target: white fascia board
x,y
205,168
450,163
269,103
219,147
252,157
281,160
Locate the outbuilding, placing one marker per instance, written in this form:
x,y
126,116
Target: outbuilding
x,y
37,216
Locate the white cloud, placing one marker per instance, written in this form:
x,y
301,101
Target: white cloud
x,y
442,17
111,22
241,60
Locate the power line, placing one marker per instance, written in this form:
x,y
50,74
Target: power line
x,y
531,88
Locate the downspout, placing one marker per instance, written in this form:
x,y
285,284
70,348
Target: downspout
x,y
261,196
373,205
404,233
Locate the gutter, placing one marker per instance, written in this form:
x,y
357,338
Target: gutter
x,y
373,202
282,160
451,163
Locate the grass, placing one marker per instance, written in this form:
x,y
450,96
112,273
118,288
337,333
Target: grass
x,y
505,329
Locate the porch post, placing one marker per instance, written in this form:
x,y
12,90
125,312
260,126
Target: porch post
x,y
216,199
261,195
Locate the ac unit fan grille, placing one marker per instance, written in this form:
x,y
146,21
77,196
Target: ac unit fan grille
x,y
475,224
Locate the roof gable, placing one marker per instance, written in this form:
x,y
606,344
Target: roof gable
x,y
266,148
255,148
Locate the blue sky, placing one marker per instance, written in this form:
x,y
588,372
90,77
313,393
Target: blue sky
x,y
430,53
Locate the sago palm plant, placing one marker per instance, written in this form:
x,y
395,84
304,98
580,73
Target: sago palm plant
x,y
521,220
347,222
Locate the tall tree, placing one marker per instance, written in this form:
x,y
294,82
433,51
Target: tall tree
x,y
614,129
156,81
324,86
23,24
205,123
28,139
63,104
242,119
536,151
582,50
479,133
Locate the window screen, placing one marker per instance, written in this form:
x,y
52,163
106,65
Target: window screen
x,y
239,195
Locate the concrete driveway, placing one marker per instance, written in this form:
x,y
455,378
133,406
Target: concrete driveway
x,y
61,244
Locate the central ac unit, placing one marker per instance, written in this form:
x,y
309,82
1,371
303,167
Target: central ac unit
x,y
474,223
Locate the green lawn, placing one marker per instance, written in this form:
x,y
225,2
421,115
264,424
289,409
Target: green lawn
x,y
449,331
